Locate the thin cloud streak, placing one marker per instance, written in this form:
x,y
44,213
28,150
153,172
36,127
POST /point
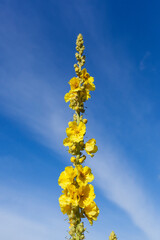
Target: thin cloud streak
x,y
29,217
33,103
119,184
25,215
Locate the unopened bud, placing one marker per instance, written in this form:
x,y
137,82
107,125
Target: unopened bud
x,y
80,52
81,160
85,120
73,159
77,48
81,143
73,148
75,117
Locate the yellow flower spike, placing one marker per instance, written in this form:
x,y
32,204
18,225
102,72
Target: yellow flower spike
x,y
66,177
91,212
77,199
91,147
84,175
112,236
76,132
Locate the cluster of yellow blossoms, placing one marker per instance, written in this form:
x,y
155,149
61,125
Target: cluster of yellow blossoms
x,y
77,199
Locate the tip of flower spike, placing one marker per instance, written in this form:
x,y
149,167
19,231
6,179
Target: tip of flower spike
x,y
112,236
80,36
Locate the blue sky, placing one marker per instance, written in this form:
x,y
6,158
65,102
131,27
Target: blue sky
x,y
37,45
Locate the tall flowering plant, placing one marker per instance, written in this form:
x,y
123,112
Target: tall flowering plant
x,y
77,199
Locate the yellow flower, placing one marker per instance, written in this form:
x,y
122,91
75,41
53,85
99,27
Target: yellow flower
x,y
88,80
84,75
66,177
75,84
72,146
91,212
84,95
112,236
70,96
68,199
72,193
84,175
65,204
67,142
76,132
72,150
90,147
86,195
73,105
89,84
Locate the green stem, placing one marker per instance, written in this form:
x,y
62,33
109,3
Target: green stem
x,y
78,117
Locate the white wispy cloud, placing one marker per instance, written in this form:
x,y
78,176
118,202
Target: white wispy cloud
x,y
19,227
26,215
121,185
31,101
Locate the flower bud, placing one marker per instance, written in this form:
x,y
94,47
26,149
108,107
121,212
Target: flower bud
x,y
76,108
73,148
81,144
81,160
85,120
77,48
75,117
73,159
